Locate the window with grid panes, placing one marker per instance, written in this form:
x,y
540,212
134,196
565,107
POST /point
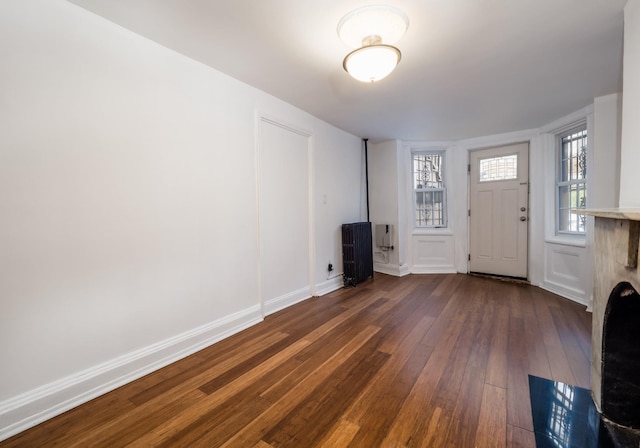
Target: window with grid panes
x,y
429,190
572,180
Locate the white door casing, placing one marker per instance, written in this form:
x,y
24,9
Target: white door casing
x,y
284,215
499,210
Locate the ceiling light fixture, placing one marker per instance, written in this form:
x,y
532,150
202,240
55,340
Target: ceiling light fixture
x,y
373,29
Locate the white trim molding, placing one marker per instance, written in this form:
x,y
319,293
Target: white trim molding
x,y
332,284
567,293
391,269
568,121
565,272
279,303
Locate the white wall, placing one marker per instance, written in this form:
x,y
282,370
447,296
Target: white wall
x,y
607,123
338,195
386,202
128,198
629,191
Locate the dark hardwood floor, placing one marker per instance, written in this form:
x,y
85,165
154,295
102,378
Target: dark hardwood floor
x,y
423,360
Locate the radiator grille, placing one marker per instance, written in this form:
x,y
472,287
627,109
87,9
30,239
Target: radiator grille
x,y
357,253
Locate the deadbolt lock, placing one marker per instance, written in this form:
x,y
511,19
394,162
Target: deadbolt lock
x,y
522,209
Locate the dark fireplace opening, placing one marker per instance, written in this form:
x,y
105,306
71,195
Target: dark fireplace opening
x,y
620,393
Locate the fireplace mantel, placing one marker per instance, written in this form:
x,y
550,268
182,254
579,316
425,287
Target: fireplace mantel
x,y
626,234
631,214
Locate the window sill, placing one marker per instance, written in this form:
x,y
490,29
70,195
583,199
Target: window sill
x,y
445,231
575,241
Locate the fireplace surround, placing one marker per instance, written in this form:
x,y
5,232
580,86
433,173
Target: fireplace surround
x,y
615,360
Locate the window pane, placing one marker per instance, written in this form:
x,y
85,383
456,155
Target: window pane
x,y
570,197
499,168
427,171
430,208
572,175
429,190
573,163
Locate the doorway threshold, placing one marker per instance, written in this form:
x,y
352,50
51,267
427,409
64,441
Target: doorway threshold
x,y
504,278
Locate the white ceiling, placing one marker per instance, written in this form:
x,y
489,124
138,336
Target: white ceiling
x,y
469,67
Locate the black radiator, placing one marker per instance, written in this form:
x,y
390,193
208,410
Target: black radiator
x,y
357,252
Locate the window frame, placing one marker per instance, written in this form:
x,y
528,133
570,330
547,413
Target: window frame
x,y
442,153
504,179
560,183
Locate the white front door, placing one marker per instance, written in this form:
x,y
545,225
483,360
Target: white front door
x,y
499,210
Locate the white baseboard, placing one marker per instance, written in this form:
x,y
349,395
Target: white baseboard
x,y
333,284
567,293
33,407
433,270
391,269
279,303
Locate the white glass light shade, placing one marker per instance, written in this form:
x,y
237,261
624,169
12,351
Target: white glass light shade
x,y
386,22
371,63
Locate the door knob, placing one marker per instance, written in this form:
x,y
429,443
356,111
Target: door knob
x,y
522,218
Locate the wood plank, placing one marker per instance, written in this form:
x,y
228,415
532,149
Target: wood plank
x,y
538,351
316,354
341,435
176,426
520,438
415,409
492,423
376,408
326,403
497,365
518,410
434,430
579,361
558,363
262,444
131,426
469,400
462,424
76,423
220,364
259,426
407,360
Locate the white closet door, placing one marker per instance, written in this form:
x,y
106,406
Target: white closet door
x,y
283,195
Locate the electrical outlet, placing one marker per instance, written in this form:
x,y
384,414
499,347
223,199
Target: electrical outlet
x,y
330,267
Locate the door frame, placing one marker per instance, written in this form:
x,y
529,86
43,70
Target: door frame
x,y
309,291
492,146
